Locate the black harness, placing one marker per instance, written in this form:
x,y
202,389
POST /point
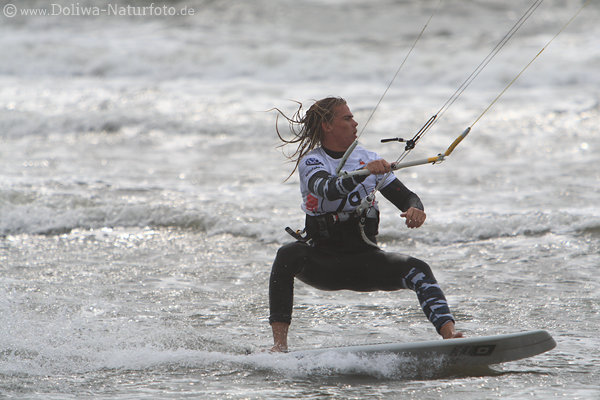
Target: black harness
x,y
339,230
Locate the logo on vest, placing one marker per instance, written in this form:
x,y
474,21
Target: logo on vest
x,y
312,203
313,161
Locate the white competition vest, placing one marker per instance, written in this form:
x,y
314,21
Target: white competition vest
x,y
318,160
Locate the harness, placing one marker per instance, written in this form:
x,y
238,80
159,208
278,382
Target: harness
x,y
341,230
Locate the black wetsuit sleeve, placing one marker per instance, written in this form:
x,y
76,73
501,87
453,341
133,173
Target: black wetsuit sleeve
x,y
323,184
401,196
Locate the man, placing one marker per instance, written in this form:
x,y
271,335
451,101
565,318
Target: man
x,y
340,250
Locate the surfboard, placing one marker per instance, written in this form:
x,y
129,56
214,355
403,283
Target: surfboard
x,y
468,352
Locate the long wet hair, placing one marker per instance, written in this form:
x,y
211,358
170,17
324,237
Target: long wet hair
x,y
308,128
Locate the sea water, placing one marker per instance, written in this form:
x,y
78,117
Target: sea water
x,y
143,196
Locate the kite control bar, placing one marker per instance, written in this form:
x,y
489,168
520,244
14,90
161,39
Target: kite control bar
x,y
431,160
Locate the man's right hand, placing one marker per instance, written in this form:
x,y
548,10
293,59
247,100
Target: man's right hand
x,y
379,167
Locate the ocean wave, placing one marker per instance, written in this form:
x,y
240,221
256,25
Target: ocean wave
x,y
235,39
590,228
44,220
473,227
21,214
83,105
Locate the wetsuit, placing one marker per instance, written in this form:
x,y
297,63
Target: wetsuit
x,y
337,257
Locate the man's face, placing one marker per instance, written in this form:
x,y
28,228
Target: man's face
x,y
340,133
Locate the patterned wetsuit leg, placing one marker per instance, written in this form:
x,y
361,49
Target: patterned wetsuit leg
x,y
430,295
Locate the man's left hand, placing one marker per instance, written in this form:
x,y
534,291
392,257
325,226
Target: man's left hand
x,y
414,217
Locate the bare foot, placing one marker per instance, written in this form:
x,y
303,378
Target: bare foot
x,y
448,332
280,332
278,349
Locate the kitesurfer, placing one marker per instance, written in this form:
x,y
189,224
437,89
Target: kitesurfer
x,y
338,250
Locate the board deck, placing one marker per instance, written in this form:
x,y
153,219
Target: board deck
x,y
476,351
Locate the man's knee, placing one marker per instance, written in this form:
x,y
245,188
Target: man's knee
x,y
290,251
287,259
410,266
422,267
